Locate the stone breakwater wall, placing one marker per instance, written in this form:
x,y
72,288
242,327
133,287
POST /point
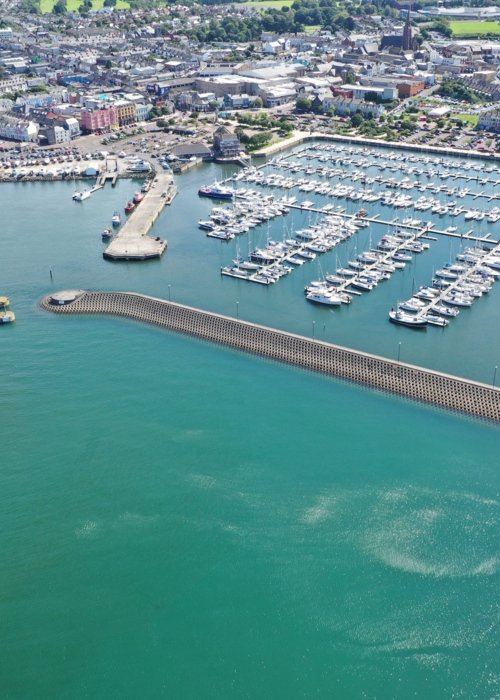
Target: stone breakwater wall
x,y
414,382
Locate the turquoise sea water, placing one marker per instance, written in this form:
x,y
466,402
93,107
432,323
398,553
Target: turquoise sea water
x,y
183,521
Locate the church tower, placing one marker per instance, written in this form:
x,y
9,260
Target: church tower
x,y
407,34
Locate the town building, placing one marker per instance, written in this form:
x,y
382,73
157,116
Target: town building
x,y
18,130
126,111
490,120
226,143
103,119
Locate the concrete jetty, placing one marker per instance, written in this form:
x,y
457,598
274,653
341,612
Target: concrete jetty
x,y
132,242
444,390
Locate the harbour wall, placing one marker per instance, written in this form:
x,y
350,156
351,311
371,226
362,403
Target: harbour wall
x,y
303,137
446,391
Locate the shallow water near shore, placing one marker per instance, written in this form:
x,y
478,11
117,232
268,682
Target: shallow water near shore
x,y
181,520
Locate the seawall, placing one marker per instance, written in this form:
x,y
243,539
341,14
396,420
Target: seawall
x,y
447,391
305,136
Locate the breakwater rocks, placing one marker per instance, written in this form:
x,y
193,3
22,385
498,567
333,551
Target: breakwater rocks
x,y
417,383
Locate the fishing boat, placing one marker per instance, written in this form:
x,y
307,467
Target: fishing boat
x,y
116,219
138,197
4,302
106,234
130,207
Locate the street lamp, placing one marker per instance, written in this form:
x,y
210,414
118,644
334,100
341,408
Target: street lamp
x,y
313,325
169,291
495,375
399,350
237,309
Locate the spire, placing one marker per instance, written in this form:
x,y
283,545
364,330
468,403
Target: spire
x,y
407,33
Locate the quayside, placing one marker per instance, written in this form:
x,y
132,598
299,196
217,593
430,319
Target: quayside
x,y
447,391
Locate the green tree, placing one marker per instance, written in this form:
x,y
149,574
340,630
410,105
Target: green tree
x,y
60,8
303,104
356,120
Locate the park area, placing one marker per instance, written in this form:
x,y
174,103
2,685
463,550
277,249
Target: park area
x,y
474,28
73,5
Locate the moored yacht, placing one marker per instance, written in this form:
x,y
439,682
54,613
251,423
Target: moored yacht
x,y
81,196
409,320
216,191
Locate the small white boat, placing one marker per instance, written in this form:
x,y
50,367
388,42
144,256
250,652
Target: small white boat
x,y
80,196
319,297
206,225
409,320
412,305
294,260
443,310
7,317
435,320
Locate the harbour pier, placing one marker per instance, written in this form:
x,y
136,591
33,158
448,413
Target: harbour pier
x,y
132,241
417,383
396,222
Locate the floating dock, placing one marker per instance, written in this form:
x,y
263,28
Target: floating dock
x,y
132,241
417,383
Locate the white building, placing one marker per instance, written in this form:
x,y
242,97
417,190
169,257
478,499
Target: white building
x,y
18,130
13,83
490,120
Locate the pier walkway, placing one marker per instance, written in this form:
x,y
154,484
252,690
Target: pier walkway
x,y
398,224
446,391
132,242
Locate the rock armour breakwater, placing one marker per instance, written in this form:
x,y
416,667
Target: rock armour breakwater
x,y
414,382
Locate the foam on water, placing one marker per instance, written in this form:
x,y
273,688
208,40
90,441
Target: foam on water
x,y
89,528
430,536
321,511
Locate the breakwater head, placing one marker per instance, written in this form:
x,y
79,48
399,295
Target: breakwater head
x,y
428,386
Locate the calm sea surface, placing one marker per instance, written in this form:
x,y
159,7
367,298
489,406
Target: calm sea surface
x,y
183,521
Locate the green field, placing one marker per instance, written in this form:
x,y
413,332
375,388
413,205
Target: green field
x,y
474,28
73,5
472,119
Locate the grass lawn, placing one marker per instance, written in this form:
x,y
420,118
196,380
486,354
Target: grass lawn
x,y
73,5
473,28
309,28
472,119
